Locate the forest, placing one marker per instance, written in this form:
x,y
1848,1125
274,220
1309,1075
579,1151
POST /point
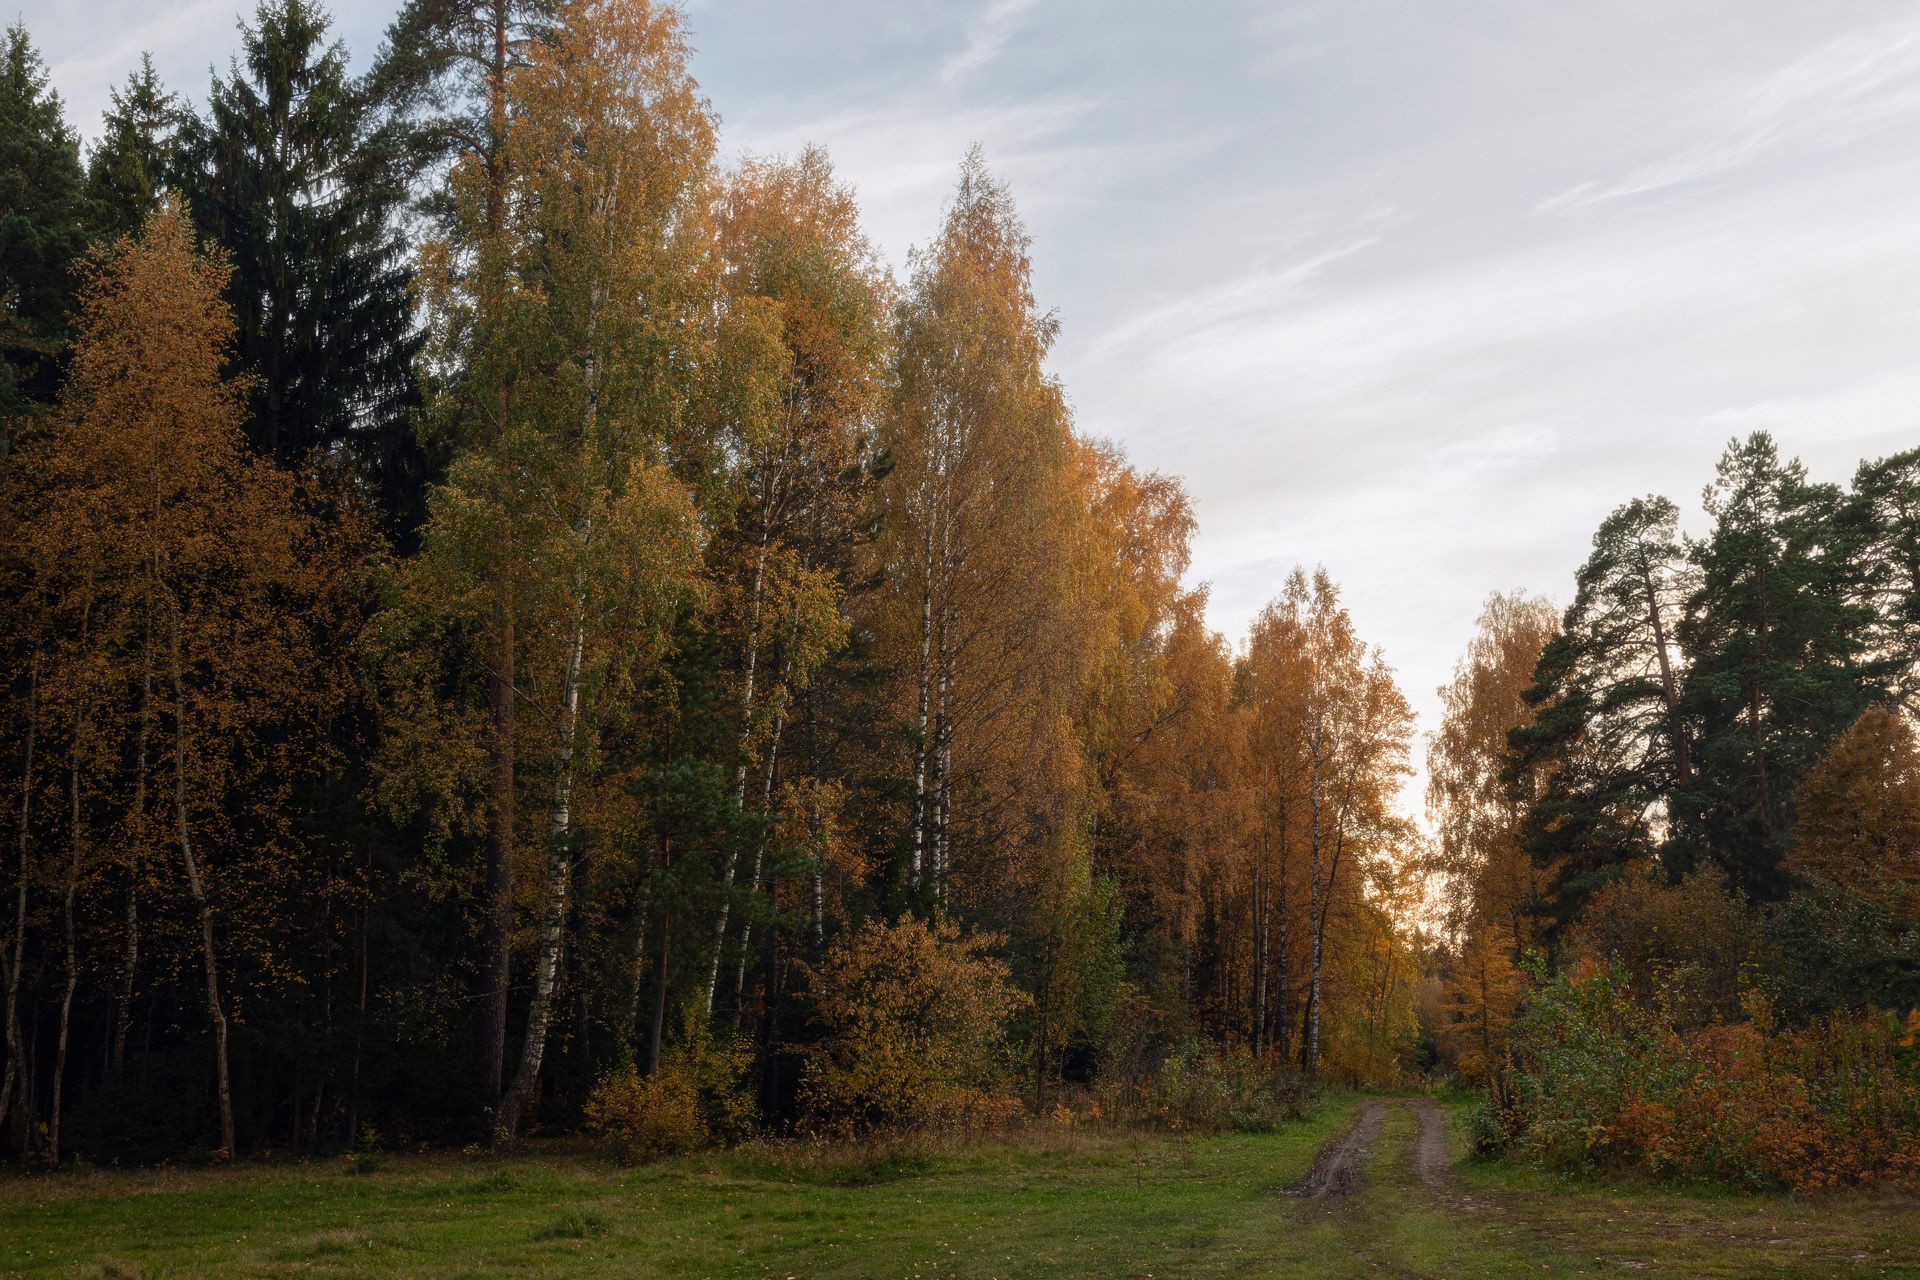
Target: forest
x,y
514,624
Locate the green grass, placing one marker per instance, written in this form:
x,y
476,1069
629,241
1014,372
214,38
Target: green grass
x,y
1043,1204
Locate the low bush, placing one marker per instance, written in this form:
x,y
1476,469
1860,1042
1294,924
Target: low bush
x,y
699,1096
1205,1087
1603,1081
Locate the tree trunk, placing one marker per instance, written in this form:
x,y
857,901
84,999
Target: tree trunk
x,y
75,841
740,770
497,964
20,894
196,890
123,1014
553,910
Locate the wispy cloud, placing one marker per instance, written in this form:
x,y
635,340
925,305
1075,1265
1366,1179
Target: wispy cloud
x,y
1848,89
987,35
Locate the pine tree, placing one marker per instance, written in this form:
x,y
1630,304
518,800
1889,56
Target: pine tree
x,y
1884,513
1607,741
135,159
44,229
1776,639
284,175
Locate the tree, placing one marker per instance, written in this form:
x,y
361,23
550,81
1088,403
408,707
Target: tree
x,y
1884,513
1478,821
607,330
975,516
1859,813
44,226
795,256
133,164
1605,742
1329,729
1776,643
284,175
188,561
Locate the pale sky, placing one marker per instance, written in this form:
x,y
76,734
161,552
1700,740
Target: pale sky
x,y
1415,291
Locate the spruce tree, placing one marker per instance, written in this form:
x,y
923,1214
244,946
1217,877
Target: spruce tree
x,y
287,175
43,231
131,165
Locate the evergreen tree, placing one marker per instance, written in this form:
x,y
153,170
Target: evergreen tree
x,y
1885,512
132,163
1777,642
287,176
1606,743
43,231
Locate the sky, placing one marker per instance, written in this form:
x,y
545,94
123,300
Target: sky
x,y
1418,292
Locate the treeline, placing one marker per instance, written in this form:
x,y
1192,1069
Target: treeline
x,y
510,621
1678,839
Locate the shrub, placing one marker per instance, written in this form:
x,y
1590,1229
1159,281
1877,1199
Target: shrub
x,y
913,1022
697,1097
1603,1081
1208,1087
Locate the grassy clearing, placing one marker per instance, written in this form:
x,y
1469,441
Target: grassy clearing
x,y
1045,1204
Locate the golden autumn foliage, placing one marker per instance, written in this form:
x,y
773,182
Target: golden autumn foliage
x,y
914,1020
196,594
1860,813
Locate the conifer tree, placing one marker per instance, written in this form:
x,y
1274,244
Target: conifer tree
x,y
284,174
135,159
1776,640
45,223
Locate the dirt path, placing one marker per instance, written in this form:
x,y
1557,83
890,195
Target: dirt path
x,y
1336,1170
1431,1159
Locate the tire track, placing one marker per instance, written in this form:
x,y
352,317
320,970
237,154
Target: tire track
x,y
1336,1170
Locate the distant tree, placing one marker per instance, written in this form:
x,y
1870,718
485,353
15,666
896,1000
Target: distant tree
x,y
1478,820
284,175
45,223
135,160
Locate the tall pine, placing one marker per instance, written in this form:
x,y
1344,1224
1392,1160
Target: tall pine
x,y
1776,638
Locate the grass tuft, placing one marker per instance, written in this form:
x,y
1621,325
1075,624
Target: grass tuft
x,y
572,1226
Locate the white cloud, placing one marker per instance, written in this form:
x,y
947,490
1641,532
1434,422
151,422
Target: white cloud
x,y
987,35
1848,89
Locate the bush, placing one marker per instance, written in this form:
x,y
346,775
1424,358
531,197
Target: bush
x,y
699,1096
1603,1081
1205,1087
913,1020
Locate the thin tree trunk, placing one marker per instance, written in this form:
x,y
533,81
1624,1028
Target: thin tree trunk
x,y
196,890
553,912
759,855
740,770
1669,693
20,894
123,1015
638,976
1311,1049
75,841
923,742
497,964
